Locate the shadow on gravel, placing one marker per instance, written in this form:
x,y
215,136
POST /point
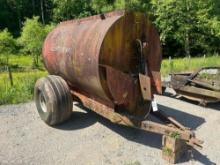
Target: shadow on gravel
x,y
81,120
194,155
192,122
188,120
215,106
78,120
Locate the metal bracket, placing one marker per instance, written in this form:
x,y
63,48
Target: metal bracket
x,y
145,85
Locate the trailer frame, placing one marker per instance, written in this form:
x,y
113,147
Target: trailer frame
x,y
172,131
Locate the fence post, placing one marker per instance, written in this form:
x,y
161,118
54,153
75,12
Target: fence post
x,y
204,61
170,64
189,58
10,75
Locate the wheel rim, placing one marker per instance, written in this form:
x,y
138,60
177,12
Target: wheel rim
x,y
42,102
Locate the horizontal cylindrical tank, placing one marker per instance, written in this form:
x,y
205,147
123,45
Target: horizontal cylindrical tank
x,y
99,56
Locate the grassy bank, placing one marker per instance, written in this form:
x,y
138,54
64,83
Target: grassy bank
x,y
24,78
188,64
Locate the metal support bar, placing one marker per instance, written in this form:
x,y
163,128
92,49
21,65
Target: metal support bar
x,y
167,119
109,113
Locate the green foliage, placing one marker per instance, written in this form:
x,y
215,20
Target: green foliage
x,y
32,37
167,151
69,9
23,87
138,5
7,42
24,78
14,12
187,26
100,6
7,46
175,135
48,28
119,4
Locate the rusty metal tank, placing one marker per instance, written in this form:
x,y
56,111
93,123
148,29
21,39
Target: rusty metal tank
x,y
99,57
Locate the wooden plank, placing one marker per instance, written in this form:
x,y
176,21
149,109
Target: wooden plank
x,y
200,91
164,129
205,85
173,149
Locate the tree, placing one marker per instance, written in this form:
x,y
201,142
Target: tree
x,y
70,9
209,24
175,20
7,42
186,27
100,6
136,5
109,5
32,37
14,12
7,17
7,45
42,11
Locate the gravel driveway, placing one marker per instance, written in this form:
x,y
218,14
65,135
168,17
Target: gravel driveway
x,y
88,139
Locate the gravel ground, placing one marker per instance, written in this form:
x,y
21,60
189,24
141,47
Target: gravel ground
x,y
88,139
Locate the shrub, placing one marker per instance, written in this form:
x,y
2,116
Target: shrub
x,y
32,38
7,46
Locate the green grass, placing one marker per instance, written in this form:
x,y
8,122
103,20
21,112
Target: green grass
x,y
24,78
21,62
186,64
23,87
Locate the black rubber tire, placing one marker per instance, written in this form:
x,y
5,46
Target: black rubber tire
x,y
53,100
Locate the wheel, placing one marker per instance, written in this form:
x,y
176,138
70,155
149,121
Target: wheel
x,y
53,100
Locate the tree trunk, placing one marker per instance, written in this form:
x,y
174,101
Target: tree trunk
x,y
9,71
187,48
37,60
42,11
10,75
187,44
33,6
19,19
34,61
